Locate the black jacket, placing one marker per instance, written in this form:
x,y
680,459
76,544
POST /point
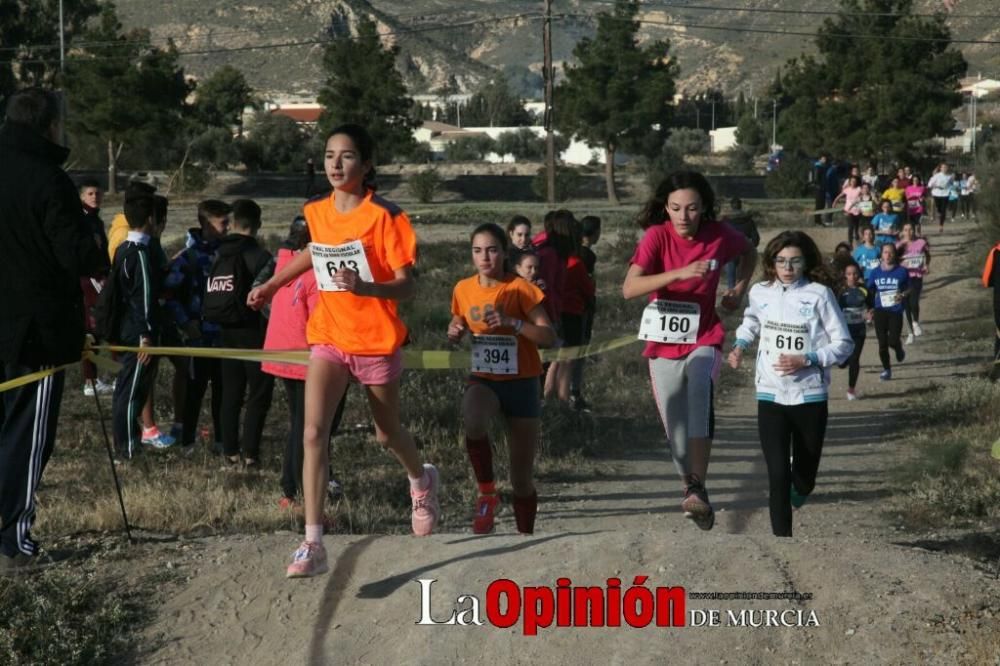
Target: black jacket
x,y
251,334
139,271
45,249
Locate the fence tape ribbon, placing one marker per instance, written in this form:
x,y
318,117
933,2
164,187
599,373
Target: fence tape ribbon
x,y
413,359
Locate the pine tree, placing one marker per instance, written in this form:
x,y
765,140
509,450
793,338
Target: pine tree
x,y
619,94
883,80
363,86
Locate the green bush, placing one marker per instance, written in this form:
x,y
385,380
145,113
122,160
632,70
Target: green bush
x,y
568,182
790,180
424,185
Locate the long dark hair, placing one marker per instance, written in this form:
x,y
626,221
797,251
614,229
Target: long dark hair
x,y
655,210
561,232
365,146
814,270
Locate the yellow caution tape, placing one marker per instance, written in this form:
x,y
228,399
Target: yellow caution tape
x,y
413,359
17,382
824,211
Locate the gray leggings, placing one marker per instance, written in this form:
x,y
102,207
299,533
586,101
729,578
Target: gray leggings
x,y
683,390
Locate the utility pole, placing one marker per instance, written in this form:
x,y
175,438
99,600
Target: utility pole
x,y
774,124
547,75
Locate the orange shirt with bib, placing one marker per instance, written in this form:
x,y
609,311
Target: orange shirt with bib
x,y
355,324
512,296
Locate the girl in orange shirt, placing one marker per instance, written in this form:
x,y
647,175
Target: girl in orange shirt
x,y
363,250
508,323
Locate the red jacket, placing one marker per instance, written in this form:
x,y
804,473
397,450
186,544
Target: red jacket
x,y
290,308
578,291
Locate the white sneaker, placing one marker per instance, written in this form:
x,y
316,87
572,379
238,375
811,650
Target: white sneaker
x,y
103,388
88,390
851,395
909,339
917,330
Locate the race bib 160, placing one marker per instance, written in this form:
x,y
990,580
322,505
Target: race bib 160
x,y
670,322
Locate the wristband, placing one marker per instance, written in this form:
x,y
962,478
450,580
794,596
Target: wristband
x,y
518,325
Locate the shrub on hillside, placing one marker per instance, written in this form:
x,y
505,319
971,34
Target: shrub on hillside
x,y
424,185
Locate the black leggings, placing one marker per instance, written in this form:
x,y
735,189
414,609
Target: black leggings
x,y
941,208
853,363
913,300
853,229
888,327
796,431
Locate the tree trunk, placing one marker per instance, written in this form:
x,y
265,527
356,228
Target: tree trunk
x,y
609,174
112,168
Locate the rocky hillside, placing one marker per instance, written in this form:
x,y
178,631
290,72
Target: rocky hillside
x,y
716,45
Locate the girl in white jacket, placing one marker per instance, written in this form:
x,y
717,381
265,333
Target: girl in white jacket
x,y
802,334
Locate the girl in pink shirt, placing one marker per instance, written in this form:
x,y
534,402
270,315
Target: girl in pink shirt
x,y
915,195
851,196
676,265
915,256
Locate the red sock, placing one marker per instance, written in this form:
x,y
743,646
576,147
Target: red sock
x,y
487,488
525,509
481,457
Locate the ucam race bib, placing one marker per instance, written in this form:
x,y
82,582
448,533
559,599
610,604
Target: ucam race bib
x,y
670,322
889,297
779,338
866,207
914,262
328,259
494,354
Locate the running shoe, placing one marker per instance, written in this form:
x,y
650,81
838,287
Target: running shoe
x,y
900,355
287,504
333,489
909,339
579,404
426,509
885,375
797,499
157,439
88,390
695,505
917,330
309,560
486,506
852,394
104,388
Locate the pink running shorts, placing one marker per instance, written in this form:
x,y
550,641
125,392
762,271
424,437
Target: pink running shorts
x,y
368,370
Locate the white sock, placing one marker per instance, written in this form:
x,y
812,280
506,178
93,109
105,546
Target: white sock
x,y
314,533
419,484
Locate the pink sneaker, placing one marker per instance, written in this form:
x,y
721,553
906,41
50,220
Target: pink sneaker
x,y
309,560
425,504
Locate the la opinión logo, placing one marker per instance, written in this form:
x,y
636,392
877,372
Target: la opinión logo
x,y
611,605
565,605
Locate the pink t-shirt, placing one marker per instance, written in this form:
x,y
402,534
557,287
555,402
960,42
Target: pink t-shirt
x,y
915,199
851,197
661,250
913,256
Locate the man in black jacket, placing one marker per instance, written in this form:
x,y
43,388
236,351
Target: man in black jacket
x,y
44,251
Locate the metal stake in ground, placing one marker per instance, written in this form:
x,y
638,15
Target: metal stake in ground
x,y
111,459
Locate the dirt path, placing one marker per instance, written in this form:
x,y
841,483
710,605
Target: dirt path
x,y
877,594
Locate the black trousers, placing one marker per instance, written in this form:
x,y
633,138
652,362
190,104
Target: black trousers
x,y
132,387
853,229
201,371
853,363
28,418
795,431
888,327
291,468
913,300
244,384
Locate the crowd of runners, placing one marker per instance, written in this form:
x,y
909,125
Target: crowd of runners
x,y
350,258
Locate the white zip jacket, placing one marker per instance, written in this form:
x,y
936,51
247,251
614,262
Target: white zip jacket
x,y
801,318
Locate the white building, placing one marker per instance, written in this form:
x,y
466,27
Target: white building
x,y
722,139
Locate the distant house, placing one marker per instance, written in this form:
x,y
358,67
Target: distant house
x,y
439,135
304,113
979,86
722,139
